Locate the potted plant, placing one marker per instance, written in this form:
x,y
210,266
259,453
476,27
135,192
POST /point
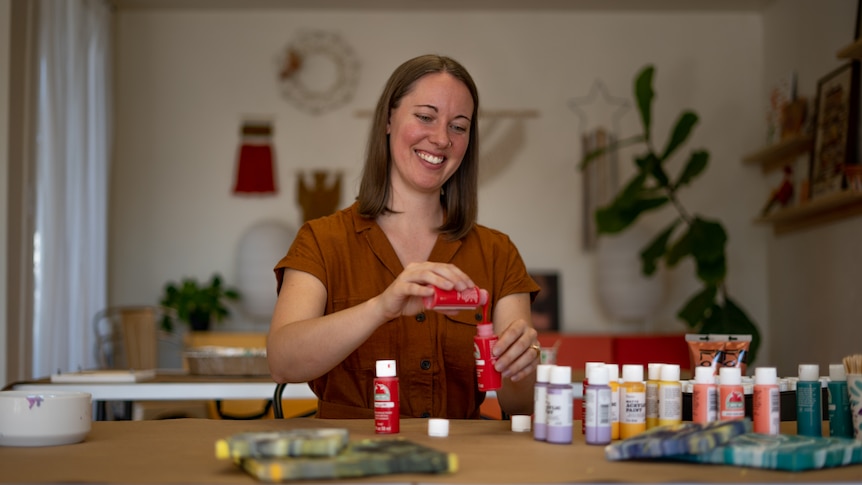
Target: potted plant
x,y
710,310
196,304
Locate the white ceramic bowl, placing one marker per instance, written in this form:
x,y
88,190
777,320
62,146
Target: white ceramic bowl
x,y
44,418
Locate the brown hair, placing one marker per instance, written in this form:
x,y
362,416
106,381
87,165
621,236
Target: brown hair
x,y
459,199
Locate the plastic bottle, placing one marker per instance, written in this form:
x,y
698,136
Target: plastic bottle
x,y
387,410
487,376
456,300
731,395
598,413
653,378
560,405
614,384
540,402
840,419
704,396
632,401
585,386
809,402
766,402
669,396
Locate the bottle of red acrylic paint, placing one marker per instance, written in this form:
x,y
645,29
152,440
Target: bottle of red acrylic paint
x,y
456,300
387,409
487,376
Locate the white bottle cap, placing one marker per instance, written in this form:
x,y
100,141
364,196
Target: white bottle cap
x,y
385,368
730,376
438,427
590,365
613,372
704,375
670,372
598,375
543,372
765,376
521,423
654,371
561,374
633,373
837,372
809,372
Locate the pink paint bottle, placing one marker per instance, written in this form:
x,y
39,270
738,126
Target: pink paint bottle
x,y
387,410
731,395
766,402
456,300
704,396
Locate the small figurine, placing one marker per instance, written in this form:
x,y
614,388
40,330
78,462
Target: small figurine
x,y
781,194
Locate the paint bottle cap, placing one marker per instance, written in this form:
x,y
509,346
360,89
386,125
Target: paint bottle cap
x,y
521,423
543,372
613,372
765,376
590,365
704,375
385,368
438,427
654,371
633,373
485,329
837,372
809,372
670,372
561,374
730,376
598,375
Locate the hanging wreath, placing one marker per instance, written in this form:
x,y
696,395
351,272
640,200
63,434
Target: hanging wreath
x,y
302,79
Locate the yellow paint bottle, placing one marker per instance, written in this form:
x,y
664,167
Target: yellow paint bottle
x,y
632,401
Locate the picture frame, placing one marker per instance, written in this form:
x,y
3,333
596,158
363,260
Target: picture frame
x,y
545,309
836,116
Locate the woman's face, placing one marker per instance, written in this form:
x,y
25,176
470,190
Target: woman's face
x,y
429,132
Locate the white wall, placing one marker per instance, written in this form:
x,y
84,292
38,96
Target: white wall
x,y
186,78
814,275
5,13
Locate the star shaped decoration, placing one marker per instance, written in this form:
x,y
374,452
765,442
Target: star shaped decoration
x,y
599,108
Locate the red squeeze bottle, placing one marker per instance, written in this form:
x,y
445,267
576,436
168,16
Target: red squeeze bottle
x,y
456,300
387,413
488,378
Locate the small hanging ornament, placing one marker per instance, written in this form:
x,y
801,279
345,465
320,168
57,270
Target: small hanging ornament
x,y
255,163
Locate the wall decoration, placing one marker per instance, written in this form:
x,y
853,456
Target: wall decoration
x,y
318,72
545,310
836,119
320,198
781,94
255,172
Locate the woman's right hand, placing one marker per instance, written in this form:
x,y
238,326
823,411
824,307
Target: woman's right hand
x,y
404,295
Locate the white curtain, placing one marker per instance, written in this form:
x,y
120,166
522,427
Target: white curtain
x,y
72,166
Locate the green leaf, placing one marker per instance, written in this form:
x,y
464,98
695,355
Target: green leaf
x,y
644,95
696,164
681,130
707,240
599,152
711,271
678,250
650,164
656,249
695,309
620,215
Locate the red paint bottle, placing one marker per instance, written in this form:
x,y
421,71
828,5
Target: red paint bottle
x,y
456,300
488,378
387,410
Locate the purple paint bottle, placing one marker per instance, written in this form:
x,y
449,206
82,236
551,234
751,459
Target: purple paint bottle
x,y
560,405
540,402
598,411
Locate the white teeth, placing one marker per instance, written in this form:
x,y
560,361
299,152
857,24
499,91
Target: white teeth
x,y
430,158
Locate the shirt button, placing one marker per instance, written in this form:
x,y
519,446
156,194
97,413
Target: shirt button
x,y
426,415
425,364
420,317
478,317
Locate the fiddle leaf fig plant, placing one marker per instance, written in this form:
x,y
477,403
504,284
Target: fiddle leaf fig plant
x,y
711,309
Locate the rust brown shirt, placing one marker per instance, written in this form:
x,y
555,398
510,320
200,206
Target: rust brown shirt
x,y
355,261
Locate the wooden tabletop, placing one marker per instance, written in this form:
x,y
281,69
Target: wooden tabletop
x,y
183,451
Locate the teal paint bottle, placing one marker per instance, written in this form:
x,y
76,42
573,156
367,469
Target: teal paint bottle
x,y
809,403
840,424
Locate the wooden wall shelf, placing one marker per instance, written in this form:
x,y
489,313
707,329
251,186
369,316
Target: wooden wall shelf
x,y
821,210
852,51
781,153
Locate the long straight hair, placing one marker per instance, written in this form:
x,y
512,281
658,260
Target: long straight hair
x,y
459,199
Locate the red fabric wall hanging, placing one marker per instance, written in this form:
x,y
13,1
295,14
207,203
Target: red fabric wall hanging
x,y
256,161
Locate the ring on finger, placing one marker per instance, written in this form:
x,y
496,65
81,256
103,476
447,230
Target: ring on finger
x,y
538,350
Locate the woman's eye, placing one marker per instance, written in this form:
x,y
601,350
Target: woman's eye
x,y
459,129
424,118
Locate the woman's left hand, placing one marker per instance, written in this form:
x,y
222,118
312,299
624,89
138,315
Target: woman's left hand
x,y
517,350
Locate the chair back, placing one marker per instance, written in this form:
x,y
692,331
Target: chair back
x,y
127,337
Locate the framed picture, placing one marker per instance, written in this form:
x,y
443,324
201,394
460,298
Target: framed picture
x,y
835,138
546,308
